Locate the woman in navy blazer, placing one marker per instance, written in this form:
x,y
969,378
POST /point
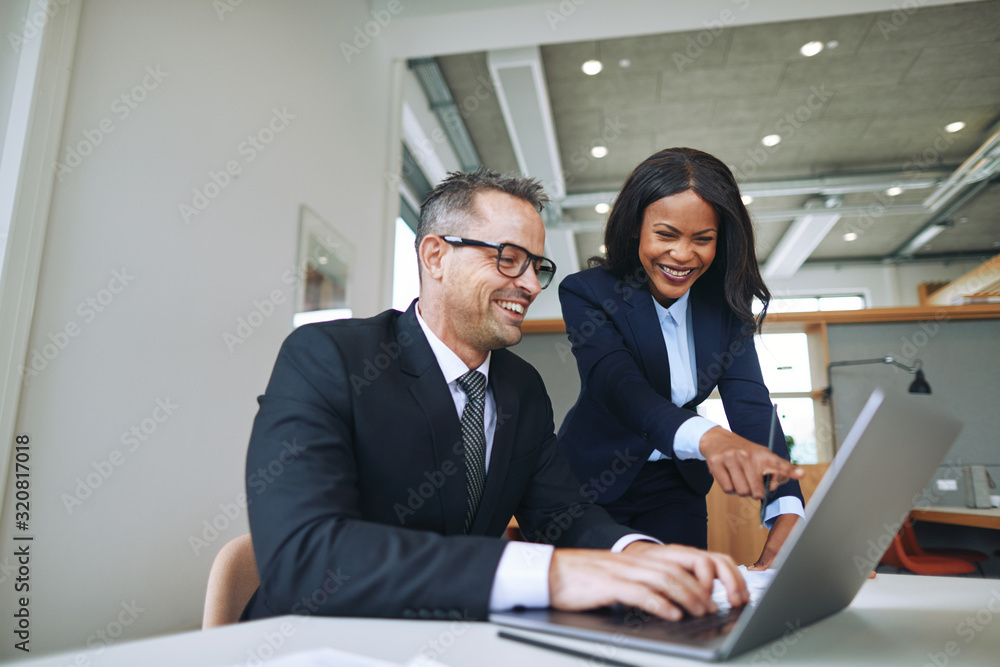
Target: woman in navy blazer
x,y
656,326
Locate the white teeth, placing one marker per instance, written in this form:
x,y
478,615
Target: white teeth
x,y
510,305
675,273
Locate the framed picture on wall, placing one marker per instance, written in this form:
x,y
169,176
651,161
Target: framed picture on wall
x,y
325,263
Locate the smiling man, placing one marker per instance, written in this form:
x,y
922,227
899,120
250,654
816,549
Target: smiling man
x,y
406,479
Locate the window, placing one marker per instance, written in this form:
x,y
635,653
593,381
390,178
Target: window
x,y
405,281
792,360
808,304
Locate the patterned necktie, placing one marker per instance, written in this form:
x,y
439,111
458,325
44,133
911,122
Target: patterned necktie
x,y
473,384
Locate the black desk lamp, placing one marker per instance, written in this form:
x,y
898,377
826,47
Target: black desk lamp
x,y
918,386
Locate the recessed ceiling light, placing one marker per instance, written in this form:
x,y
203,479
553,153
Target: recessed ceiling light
x,y
602,208
810,49
832,44
996,244
603,249
894,191
747,200
592,67
954,127
599,151
851,236
323,259
624,62
771,140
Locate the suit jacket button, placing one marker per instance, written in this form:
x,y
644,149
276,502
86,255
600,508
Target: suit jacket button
x,y
644,435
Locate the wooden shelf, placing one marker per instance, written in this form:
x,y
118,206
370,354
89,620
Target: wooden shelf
x,y
979,311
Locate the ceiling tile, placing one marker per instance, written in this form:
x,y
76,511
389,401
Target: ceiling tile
x,y
920,27
779,42
873,68
955,62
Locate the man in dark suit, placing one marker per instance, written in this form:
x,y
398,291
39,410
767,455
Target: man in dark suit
x,y
398,447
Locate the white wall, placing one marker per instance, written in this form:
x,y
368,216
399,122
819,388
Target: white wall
x,y
158,338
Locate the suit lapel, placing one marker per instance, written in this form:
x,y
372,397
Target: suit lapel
x,y
648,338
432,394
707,333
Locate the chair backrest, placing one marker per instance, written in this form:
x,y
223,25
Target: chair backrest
x,y
231,582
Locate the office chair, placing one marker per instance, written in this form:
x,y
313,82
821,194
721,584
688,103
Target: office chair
x,y
909,537
231,583
897,556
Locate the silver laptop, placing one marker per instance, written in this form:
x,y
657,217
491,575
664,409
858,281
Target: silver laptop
x,y
876,478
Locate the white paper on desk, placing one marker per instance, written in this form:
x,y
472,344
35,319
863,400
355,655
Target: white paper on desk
x,y
328,657
757,583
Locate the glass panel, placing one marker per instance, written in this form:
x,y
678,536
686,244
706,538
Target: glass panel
x,y
784,361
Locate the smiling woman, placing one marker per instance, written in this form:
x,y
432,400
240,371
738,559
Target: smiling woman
x,y
674,295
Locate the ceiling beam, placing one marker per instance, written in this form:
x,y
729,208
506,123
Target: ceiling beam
x,y
803,235
524,102
822,185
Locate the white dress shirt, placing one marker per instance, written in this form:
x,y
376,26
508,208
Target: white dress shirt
x,y
522,577
678,335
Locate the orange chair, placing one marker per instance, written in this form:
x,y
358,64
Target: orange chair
x,y
909,537
231,582
897,556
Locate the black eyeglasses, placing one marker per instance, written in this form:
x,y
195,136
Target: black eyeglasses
x,y
513,260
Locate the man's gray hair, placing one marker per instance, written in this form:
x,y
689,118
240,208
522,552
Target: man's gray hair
x,y
449,208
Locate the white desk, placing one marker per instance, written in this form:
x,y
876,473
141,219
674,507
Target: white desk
x,y
895,620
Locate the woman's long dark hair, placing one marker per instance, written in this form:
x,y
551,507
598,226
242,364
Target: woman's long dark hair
x,y
734,273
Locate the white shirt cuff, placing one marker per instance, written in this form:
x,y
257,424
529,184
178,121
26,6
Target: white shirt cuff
x,y
629,539
687,440
782,505
522,578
